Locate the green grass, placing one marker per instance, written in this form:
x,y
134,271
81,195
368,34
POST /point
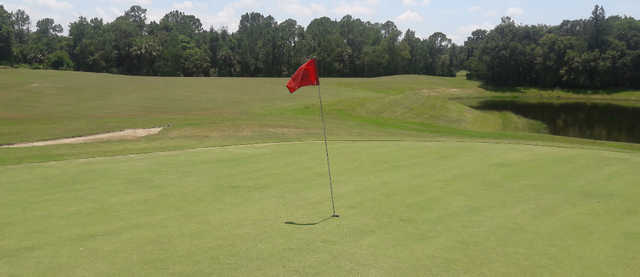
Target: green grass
x,y
407,208
205,112
425,185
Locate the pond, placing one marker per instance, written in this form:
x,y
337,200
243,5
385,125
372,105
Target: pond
x,y
601,121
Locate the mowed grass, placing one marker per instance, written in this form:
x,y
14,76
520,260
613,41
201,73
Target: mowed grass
x,y
407,208
424,184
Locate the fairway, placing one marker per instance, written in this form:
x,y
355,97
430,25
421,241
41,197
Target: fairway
x,y
407,208
39,105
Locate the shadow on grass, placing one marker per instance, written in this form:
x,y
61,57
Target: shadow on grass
x,y
309,223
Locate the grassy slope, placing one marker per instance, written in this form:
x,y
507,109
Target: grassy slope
x,y
38,105
408,208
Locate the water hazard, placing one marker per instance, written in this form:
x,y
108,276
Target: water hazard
x,y
577,119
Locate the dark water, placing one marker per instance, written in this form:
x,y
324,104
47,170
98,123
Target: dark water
x,y
586,120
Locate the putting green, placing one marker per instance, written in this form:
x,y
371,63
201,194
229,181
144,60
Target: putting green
x,y
407,208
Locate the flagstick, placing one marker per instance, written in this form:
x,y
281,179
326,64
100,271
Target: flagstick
x,y
326,148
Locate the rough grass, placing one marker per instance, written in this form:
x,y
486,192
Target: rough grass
x,y
415,107
203,112
407,208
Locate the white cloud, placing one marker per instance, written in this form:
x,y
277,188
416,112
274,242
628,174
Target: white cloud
x,y
363,7
62,12
108,14
491,13
409,16
481,10
461,34
468,29
229,16
51,4
318,8
514,11
294,7
156,14
13,7
416,2
184,5
67,11
130,2
101,13
475,9
116,11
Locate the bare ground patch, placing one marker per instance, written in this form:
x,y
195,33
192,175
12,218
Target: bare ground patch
x,y
125,134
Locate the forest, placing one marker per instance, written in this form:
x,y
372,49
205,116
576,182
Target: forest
x,y
594,53
178,45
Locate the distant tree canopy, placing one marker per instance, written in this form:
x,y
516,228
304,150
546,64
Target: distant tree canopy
x,y
598,52
594,53
178,45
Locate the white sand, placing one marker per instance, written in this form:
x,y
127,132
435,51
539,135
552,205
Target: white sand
x,y
126,134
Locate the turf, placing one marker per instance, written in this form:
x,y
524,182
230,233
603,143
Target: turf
x,y
425,185
407,208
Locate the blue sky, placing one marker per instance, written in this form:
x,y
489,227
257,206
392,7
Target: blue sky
x,y
456,18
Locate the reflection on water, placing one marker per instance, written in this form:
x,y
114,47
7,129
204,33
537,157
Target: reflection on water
x,y
585,120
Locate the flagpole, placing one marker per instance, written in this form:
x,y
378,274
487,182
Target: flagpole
x,y
326,148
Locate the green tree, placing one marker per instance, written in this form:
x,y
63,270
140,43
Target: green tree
x,y
46,40
195,62
59,60
413,44
291,46
22,32
146,50
550,56
327,45
227,61
6,36
257,48
138,16
21,26
178,22
47,27
598,28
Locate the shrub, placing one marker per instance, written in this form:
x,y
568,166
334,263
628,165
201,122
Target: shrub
x,y
59,60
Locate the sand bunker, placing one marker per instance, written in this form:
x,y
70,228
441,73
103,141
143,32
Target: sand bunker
x,y
126,134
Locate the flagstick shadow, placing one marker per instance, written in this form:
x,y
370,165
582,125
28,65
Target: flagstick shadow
x,y
307,224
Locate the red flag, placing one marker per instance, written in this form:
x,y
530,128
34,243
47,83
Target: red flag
x,y
306,75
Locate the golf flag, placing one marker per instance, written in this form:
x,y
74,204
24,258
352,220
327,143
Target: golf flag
x,y
306,75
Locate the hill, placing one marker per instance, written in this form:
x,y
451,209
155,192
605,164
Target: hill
x,y
202,112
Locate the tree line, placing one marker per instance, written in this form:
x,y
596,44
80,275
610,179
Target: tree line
x,y
178,45
598,52
595,53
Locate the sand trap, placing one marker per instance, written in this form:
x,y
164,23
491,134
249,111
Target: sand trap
x,y
126,134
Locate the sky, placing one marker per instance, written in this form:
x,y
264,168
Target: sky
x,y
456,18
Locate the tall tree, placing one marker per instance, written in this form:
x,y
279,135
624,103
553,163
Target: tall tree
x,y
21,25
6,36
413,44
327,45
598,28
179,22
